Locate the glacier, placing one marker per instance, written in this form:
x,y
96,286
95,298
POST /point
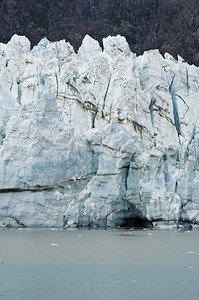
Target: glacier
x,y
100,137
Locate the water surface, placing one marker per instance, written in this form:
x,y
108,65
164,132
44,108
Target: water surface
x,y
98,264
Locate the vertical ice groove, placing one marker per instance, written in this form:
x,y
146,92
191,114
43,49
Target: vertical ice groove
x,y
187,77
96,111
193,135
40,78
97,107
7,61
175,106
57,82
110,112
106,93
126,176
177,95
19,94
151,111
11,84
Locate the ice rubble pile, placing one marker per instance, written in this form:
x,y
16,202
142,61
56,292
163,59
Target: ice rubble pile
x,y
97,138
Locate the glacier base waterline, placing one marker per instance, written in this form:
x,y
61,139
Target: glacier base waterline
x,y
97,137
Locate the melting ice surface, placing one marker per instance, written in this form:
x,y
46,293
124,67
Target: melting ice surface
x,y
98,264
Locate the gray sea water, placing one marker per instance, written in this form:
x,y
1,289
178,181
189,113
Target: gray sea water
x,y
98,264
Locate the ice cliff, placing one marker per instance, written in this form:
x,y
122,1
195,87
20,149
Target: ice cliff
x,y
98,137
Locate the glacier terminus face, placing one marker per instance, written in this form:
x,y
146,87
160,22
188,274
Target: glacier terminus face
x,y
97,137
